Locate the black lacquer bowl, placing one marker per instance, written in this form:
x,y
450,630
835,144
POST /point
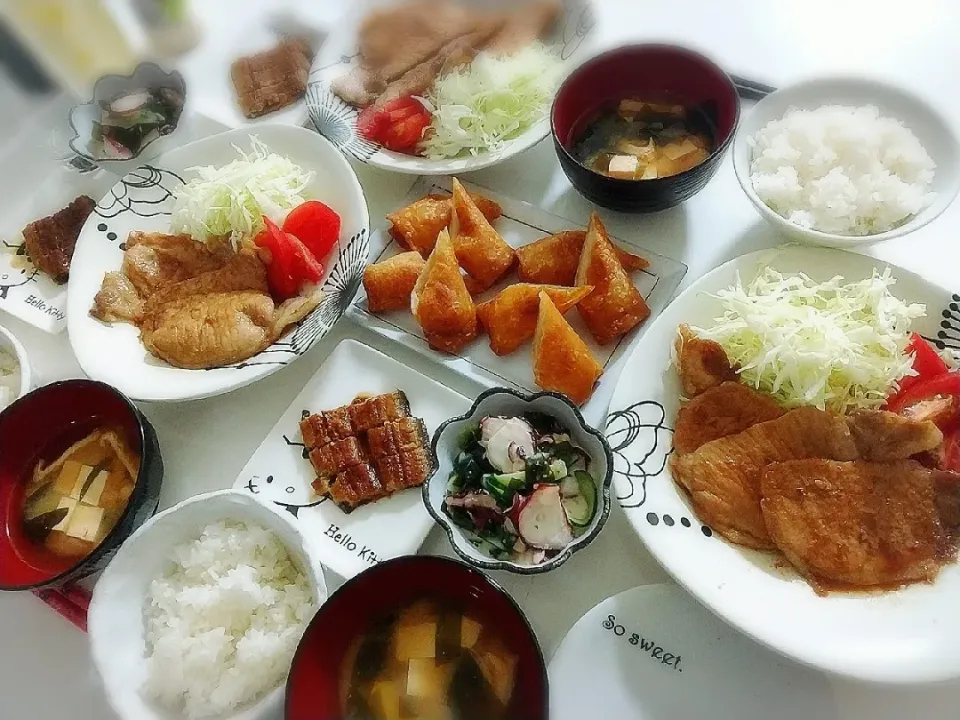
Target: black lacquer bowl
x,y
644,71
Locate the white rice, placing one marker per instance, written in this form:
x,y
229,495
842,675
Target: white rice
x,y
841,170
223,622
9,378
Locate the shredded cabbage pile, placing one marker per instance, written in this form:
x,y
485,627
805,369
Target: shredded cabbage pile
x,y
232,200
480,106
832,345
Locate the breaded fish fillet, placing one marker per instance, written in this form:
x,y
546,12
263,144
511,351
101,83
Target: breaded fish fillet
x,y
860,523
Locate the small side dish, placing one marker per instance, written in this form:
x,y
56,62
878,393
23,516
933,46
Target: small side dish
x,y
273,79
223,620
50,241
367,450
521,488
72,503
636,139
429,659
245,265
9,378
132,119
841,169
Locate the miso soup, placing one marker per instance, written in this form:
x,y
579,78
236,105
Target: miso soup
x,y
636,139
428,662
72,503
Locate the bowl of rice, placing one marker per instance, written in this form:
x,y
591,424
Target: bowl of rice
x,y
15,381
843,162
200,612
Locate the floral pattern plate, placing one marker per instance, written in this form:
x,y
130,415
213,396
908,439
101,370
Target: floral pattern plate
x,y
143,200
337,121
908,635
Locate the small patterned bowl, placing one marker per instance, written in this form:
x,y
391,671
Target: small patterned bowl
x,y
511,403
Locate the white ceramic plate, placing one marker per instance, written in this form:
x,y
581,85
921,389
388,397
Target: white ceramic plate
x,y
279,471
336,120
910,635
143,200
930,127
520,224
651,654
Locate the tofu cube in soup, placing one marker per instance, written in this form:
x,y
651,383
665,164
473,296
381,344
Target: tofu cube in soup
x,y
416,635
623,167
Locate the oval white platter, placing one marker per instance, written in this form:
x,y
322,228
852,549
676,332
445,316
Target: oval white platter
x,y
651,654
143,199
336,120
903,636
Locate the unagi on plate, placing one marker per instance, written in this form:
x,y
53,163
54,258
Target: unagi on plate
x,y
367,450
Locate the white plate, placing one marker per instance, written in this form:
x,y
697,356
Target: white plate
x,y
910,635
279,471
521,224
651,654
337,120
143,200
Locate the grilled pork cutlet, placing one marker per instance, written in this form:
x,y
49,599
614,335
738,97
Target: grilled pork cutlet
x,y
862,524
50,241
273,79
366,450
723,410
155,260
701,364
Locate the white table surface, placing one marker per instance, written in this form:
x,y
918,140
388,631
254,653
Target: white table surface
x,y
46,667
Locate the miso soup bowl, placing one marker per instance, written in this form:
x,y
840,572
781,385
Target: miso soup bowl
x,y
314,686
40,426
651,71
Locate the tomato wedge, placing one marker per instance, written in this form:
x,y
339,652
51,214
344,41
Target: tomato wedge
x,y
404,136
315,225
939,386
371,123
398,125
927,363
291,264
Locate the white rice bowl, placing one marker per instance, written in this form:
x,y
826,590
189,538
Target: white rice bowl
x,y
841,170
224,620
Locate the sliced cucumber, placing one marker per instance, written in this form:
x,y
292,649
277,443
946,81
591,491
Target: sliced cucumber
x,y
503,487
569,487
581,507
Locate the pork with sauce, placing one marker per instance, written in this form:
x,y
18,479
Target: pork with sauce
x,y
723,410
701,364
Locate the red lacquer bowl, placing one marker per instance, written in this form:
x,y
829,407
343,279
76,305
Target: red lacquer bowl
x,y
313,688
40,426
654,72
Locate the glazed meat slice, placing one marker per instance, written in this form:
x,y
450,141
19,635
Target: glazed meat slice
x,y
117,300
315,431
356,486
399,452
273,79
243,271
723,410
155,260
701,364
862,524
50,241
335,457
373,412
722,477
884,437
216,329
338,423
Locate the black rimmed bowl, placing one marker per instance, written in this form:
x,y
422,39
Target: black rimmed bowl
x,y
446,446
40,426
314,684
657,72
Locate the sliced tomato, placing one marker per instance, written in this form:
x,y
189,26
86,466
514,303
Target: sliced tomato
x,y
307,268
940,386
404,136
371,123
280,275
315,225
927,364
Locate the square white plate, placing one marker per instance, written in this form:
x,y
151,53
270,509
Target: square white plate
x,y
521,224
280,472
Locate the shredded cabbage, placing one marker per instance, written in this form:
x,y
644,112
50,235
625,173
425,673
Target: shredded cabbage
x,y
832,345
232,200
478,107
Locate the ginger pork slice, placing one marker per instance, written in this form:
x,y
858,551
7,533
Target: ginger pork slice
x,y
553,260
510,319
615,306
417,225
389,283
481,252
440,302
562,362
